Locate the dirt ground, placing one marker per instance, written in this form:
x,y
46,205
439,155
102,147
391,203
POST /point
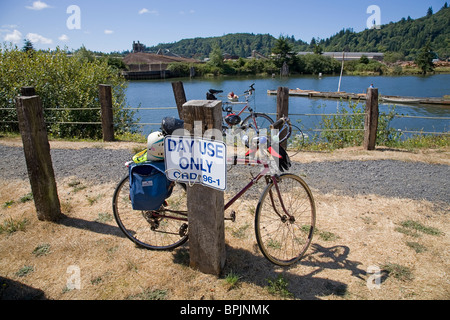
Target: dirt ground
x,y
364,248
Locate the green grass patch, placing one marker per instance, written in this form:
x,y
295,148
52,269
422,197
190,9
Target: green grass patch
x,y
42,250
240,232
279,287
414,225
417,247
24,271
11,225
26,198
232,280
148,294
8,204
398,271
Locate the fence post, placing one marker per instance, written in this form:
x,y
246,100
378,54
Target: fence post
x,y
180,96
27,91
282,107
37,156
105,94
205,205
371,119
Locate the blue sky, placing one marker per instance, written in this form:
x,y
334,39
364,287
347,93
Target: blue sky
x,y
113,25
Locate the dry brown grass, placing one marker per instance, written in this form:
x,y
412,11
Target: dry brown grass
x,y
354,233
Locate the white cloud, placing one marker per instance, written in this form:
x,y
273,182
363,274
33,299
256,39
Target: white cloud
x,y
109,31
38,5
145,10
10,26
37,38
14,37
64,37
184,12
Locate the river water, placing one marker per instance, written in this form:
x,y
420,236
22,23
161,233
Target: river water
x,y
159,94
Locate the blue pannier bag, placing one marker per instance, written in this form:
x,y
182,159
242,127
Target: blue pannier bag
x,y
149,187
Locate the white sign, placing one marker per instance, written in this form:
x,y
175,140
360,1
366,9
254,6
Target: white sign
x,y
195,160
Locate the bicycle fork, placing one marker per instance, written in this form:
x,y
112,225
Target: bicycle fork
x,y
286,217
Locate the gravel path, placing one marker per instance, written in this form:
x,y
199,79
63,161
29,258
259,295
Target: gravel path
x,y
387,178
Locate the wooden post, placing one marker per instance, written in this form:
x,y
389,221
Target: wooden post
x,y
37,156
371,119
205,205
105,94
27,91
180,96
282,107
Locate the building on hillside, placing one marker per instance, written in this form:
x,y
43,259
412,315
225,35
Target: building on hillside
x,y
230,57
257,55
145,65
167,53
138,47
349,56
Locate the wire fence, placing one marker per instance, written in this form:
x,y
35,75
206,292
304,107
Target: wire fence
x,y
143,124
397,116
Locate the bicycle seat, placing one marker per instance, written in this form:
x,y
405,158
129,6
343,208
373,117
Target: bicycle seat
x,y
213,91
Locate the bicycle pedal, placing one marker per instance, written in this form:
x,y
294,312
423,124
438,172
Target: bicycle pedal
x,y
232,217
183,230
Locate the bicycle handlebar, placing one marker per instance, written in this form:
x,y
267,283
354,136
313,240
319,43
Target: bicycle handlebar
x,y
285,130
214,92
251,89
283,124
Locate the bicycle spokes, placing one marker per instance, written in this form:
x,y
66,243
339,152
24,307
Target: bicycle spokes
x,y
162,229
285,220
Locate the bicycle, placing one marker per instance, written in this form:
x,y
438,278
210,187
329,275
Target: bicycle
x,y
284,219
255,120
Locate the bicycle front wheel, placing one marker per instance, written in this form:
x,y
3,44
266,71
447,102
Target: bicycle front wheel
x,y
285,220
162,229
257,122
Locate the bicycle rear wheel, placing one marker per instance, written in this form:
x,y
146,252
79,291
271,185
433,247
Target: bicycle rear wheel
x,y
162,229
260,121
285,220
296,142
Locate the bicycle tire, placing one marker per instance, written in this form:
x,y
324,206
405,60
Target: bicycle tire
x,y
296,143
263,121
143,227
284,241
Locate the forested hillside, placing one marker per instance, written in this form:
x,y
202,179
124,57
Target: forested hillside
x,y
239,44
405,38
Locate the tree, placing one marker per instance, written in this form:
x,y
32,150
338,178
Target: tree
x,y
364,59
318,49
216,57
430,12
67,85
424,59
28,46
283,50
85,54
